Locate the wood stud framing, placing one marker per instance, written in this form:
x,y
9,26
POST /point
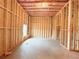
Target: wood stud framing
x,y
40,26
12,18
66,25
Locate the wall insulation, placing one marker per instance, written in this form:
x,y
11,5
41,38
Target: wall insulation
x,y
66,25
12,18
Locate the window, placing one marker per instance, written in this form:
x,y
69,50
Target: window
x,y
25,27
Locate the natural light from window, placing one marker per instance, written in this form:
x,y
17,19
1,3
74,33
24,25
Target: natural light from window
x,y
24,30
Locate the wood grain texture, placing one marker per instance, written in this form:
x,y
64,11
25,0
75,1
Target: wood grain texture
x,y
36,8
65,25
41,27
12,18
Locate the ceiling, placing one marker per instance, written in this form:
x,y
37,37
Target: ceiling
x,y
42,7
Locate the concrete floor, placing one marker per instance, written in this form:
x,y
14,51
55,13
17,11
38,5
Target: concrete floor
x,y
39,48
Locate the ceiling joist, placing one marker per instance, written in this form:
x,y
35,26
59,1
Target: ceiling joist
x,y
62,1
42,7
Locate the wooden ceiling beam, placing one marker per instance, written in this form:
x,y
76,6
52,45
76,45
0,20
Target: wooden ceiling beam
x,y
50,4
33,6
43,8
40,1
41,11
40,14
54,4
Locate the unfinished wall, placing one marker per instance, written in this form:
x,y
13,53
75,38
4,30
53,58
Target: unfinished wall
x,y
40,26
60,24
74,38
65,25
12,18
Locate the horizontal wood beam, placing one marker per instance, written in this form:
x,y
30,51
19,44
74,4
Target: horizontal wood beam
x,y
42,15
33,6
52,3
41,11
42,8
40,1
